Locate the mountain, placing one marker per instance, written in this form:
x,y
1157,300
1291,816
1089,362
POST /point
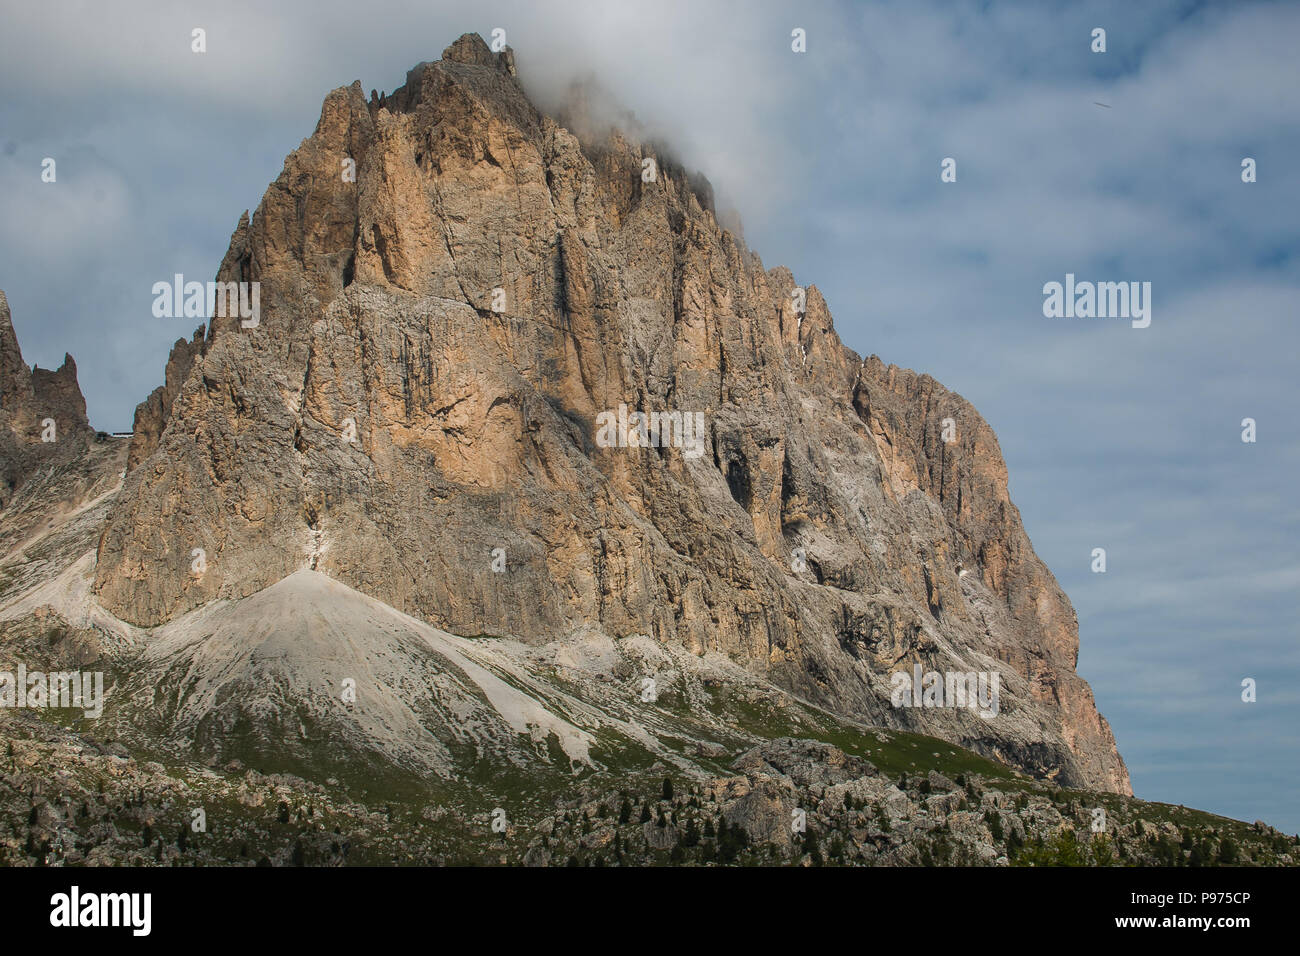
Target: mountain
x,y
384,425
398,537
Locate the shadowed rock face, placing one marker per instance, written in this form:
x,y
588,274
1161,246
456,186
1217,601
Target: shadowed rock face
x,y
383,424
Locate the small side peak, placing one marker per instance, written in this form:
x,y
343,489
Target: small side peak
x,y
471,49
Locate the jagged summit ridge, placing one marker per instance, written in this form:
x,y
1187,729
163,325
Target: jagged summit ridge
x,y
387,424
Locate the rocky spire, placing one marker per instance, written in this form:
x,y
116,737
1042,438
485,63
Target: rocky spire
x,y
15,377
42,412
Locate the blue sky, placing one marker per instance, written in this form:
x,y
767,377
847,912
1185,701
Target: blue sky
x,y
1122,438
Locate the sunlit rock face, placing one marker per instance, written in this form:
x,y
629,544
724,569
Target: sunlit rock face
x,y
455,288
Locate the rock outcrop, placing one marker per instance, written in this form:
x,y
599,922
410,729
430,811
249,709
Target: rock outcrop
x,y
418,413
151,414
42,412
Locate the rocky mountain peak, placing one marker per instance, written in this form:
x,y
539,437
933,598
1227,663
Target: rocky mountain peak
x,y
471,49
438,407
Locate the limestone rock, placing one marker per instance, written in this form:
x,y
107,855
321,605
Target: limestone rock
x,y
437,343
152,414
42,413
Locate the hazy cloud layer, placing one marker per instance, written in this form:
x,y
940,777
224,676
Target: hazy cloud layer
x,y
1115,437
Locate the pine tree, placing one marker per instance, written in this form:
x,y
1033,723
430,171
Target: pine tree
x,y
994,821
731,840
811,848
1015,843
1227,851
692,836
